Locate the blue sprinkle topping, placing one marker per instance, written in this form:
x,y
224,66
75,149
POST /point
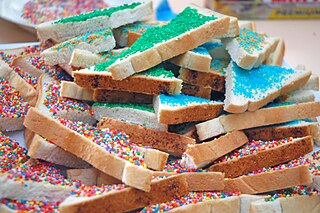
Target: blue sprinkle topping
x,y
218,66
250,40
257,82
211,45
200,50
182,100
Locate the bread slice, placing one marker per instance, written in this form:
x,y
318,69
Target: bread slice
x,y
174,38
16,206
297,96
83,58
215,78
295,129
23,61
135,113
91,176
117,96
284,176
273,114
183,108
196,90
13,107
250,90
200,155
71,90
12,154
249,25
197,59
314,162
259,154
95,42
200,202
276,57
128,34
45,150
250,49
64,134
165,141
297,199
129,198
153,81
27,91
35,180
66,28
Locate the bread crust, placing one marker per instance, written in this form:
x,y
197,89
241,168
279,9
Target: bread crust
x,y
193,61
72,90
130,198
119,168
138,84
266,158
276,57
166,141
259,183
117,96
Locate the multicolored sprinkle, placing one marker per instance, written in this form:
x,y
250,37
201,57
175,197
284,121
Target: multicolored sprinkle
x,y
12,105
175,166
253,147
39,11
8,58
33,81
295,191
24,206
191,198
251,41
11,153
90,191
55,103
113,141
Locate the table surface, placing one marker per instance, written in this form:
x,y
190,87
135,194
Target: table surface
x,y
302,39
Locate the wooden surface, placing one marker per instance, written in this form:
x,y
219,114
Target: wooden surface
x,y
302,37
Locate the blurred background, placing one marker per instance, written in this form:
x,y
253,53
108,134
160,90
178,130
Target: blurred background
x,y
297,21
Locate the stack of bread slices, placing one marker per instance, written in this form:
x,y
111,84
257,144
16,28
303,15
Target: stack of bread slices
x,y
123,113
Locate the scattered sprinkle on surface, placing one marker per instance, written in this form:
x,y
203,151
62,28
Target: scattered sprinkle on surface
x,y
24,206
182,100
295,191
89,191
218,66
175,166
200,50
251,41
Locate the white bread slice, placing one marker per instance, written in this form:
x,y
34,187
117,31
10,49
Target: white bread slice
x,y
179,37
261,154
250,49
83,58
274,114
23,61
140,114
250,90
27,92
166,141
200,202
42,149
249,25
312,84
66,28
91,176
128,34
284,176
95,42
130,174
35,180
233,25
246,200
13,108
200,155
129,198
17,206
297,96
71,90
182,108
153,81
276,57
197,59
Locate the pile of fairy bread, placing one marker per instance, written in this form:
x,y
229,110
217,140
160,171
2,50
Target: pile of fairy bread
x,y
121,113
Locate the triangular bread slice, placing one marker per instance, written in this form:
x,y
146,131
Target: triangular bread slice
x,y
252,89
256,155
173,39
75,137
95,42
165,141
140,114
250,49
276,57
182,108
113,17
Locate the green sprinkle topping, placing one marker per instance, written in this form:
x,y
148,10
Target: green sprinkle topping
x,y
184,22
157,71
104,12
143,107
250,40
88,38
